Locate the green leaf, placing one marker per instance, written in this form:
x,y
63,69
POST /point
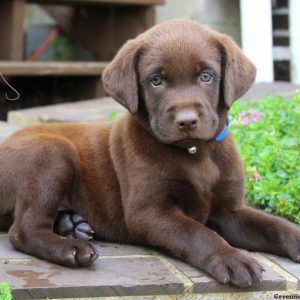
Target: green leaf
x,y
112,116
5,293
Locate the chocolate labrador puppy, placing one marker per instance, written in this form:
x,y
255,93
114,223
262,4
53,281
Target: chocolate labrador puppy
x,y
166,174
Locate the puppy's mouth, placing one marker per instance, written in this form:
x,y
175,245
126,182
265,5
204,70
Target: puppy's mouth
x,y
186,143
181,140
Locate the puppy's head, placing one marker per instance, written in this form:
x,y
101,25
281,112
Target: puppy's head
x,y
185,75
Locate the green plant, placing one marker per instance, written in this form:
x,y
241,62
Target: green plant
x,y
112,116
5,293
267,134
60,44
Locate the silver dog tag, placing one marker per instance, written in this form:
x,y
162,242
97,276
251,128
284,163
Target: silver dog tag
x,y
192,150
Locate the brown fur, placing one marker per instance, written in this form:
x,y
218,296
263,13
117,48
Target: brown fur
x,y
134,180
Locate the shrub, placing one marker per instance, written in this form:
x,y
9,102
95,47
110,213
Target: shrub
x,y
267,134
5,293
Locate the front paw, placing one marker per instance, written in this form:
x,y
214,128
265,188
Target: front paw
x,y
290,244
234,267
76,253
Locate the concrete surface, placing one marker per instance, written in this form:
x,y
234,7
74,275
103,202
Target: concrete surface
x,y
279,88
6,129
82,111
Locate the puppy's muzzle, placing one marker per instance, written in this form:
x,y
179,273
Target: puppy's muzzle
x,y
187,120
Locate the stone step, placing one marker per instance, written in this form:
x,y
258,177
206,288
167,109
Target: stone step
x,y
137,273
103,109
6,130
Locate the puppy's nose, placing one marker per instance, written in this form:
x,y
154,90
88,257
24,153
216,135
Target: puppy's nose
x,y
186,120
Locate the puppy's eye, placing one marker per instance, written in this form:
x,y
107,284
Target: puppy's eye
x,y
205,77
156,81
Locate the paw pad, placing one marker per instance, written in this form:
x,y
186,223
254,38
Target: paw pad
x,y
73,225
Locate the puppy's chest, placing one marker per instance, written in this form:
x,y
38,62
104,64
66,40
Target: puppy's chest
x,y
204,175
193,194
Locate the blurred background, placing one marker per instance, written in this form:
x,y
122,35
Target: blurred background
x,y
53,51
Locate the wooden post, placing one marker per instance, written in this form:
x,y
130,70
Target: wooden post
x,y
11,29
102,30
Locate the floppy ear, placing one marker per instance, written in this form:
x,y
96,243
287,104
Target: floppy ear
x,y
239,71
120,78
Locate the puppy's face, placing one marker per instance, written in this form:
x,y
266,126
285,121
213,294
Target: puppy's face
x,y
185,75
180,78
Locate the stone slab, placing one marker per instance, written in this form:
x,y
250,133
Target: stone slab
x,y
7,251
6,130
278,88
202,283
81,111
122,270
112,249
36,279
286,264
105,249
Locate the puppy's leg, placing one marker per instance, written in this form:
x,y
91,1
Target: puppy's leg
x,y
72,225
41,182
252,229
152,219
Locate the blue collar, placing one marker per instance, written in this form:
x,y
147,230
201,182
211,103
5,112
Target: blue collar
x,y
221,136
